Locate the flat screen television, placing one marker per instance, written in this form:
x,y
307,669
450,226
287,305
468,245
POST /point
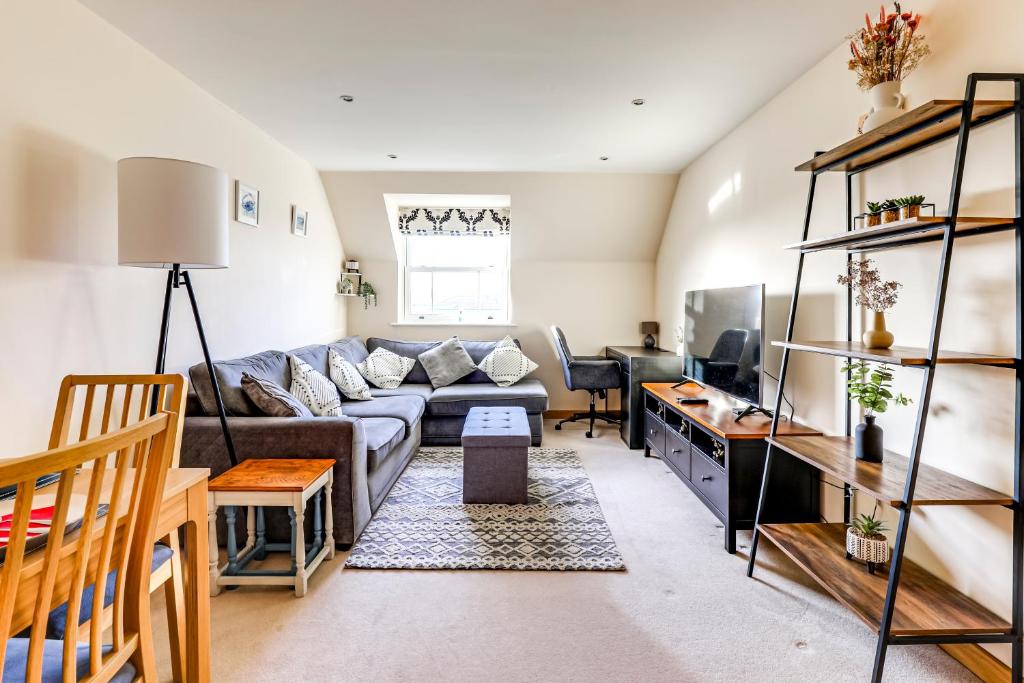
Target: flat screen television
x,y
723,337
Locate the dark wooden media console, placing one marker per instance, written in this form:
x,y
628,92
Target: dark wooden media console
x,y
722,460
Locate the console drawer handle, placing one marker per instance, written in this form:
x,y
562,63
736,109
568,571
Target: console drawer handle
x,y
705,478
677,450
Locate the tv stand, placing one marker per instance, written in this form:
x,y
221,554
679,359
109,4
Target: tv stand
x,y
751,410
688,381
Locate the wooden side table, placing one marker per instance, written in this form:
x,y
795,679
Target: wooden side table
x,y
255,484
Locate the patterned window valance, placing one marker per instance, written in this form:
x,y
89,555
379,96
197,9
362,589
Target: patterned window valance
x,y
485,222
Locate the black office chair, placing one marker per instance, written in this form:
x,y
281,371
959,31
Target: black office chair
x,y
593,374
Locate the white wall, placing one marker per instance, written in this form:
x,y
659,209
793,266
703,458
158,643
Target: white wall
x,y
76,96
583,250
970,425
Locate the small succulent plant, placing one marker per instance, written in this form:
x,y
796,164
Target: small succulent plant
x,y
874,207
912,200
889,204
868,526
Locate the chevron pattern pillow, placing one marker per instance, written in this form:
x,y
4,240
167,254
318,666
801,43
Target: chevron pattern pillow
x,y
350,383
314,390
507,364
385,369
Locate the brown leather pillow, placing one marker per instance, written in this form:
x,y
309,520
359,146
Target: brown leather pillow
x,y
271,398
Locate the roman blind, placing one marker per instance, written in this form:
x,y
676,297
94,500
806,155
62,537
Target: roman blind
x,y
484,222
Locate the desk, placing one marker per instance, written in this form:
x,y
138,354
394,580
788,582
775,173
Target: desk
x,y
640,364
184,505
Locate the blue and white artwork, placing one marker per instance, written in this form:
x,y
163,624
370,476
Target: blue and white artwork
x,y
300,221
247,204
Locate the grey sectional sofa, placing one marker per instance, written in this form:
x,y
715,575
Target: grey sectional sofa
x,y
372,442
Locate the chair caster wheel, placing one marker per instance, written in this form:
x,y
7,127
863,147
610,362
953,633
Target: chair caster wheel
x,y
590,435
558,428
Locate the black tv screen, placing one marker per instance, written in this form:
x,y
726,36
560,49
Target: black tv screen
x,y
722,338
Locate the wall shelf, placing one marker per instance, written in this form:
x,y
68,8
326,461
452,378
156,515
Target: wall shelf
x,y
907,356
903,233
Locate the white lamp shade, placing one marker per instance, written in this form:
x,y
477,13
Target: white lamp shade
x,y
171,211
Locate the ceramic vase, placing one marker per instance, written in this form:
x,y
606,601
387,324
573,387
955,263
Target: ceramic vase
x,y
874,549
867,441
886,104
877,337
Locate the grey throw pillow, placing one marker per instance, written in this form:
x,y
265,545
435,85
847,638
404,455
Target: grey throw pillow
x,y
271,398
447,363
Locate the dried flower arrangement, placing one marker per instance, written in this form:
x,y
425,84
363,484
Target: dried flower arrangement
x,y
872,292
887,50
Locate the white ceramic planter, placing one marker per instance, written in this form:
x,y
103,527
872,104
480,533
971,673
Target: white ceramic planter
x,y
886,104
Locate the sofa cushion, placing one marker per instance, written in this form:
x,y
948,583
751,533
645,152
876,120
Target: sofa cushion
x,y
507,364
347,378
314,355
271,365
457,399
314,389
408,349
447,362
478,350
409,409
272,399
382,435
385,369
424,391
351,349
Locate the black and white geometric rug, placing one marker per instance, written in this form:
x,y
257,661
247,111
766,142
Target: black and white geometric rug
x,y
423,523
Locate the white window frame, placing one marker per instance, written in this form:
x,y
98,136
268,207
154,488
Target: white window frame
x,y
469,318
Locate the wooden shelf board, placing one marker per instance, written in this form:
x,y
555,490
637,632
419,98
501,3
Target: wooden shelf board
x,y
884,481
900,232
897,355
925,605
934,121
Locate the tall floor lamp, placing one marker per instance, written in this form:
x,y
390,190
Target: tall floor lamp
x,y
173,214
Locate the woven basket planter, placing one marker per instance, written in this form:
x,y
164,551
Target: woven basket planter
x,y
871,549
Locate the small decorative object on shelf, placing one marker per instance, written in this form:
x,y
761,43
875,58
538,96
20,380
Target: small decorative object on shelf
x,y
352,266
348,284
873,217
890,211
872,389
883,53
874,293
368,293
649,328
865,541
910,207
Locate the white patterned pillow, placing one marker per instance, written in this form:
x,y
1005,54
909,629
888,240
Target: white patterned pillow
x,y
314,390
350,383
385,369
507,364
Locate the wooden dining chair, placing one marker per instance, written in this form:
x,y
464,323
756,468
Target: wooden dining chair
x,y
89,405
115,538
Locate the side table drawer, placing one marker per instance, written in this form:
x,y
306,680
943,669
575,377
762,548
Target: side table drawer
x,y
654,432
710,480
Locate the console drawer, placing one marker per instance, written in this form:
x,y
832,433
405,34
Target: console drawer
x,y
654,432
677,449
710,480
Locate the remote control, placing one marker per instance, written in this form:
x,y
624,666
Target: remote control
x,y
691,401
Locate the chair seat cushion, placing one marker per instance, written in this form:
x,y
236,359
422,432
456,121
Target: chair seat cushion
x,y
16,660
409,409
382,435
55,622
457,399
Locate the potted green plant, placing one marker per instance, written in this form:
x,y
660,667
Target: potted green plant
x,y
866,542
874,293
910,207
890,211
871,388
368,293
874,216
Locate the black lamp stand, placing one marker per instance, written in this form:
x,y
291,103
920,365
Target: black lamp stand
x,y
175,277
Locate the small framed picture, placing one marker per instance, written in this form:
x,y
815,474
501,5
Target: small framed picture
x,y
349,284
247,204
300,221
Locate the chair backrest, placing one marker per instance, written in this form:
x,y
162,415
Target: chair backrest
x,y
99,403
117,537
729,346
565,356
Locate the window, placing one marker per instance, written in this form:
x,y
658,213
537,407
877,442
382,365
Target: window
x,y
456,279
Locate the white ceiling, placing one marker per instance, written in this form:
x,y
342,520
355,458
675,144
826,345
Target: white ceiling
x,y
499,85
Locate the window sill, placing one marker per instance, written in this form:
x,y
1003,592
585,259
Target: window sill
x,y
437,323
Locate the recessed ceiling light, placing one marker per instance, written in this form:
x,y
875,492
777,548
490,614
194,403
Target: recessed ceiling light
x,y
603,158
392,156
638,101
346,98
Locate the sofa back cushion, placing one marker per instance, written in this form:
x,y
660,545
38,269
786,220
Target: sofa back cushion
x,y
315,356
270,365
477,350
351,349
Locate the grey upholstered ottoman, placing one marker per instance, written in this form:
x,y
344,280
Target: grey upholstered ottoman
x,y
495,444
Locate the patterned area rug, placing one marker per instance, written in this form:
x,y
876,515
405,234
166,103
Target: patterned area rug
x,y
423,523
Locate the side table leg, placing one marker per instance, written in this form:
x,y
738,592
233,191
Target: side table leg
x,y
214,551
318,525
329,513
299,543
229,518
250,527
291,518
261,534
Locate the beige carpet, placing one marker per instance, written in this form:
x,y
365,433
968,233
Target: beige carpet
x,y
684,611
